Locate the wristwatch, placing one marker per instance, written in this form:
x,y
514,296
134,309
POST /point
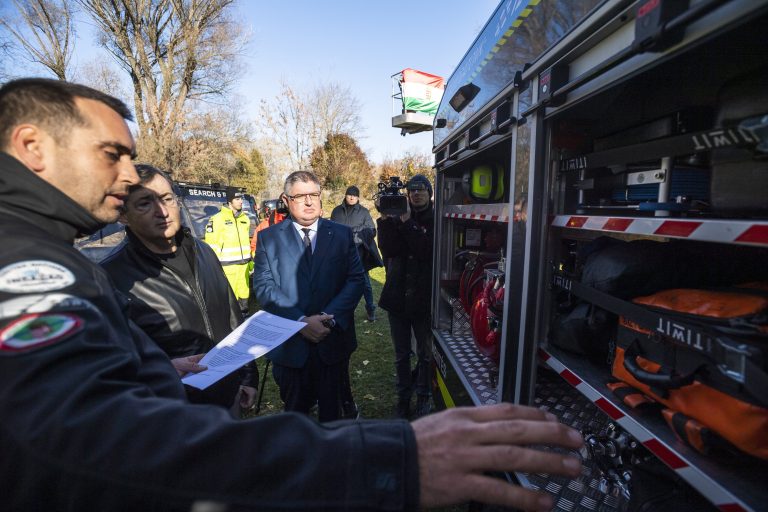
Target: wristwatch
x,y
329,323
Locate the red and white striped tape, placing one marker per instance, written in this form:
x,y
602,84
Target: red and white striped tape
x,y
708,487
745,232
478,216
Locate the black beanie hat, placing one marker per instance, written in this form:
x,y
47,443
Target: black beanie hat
x,y
352,191
232,193
419,182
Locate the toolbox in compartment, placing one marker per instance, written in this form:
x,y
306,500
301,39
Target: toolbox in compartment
x,y
643,185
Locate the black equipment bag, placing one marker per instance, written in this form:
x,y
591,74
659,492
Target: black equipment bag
x,y
584,328
643,267
629,269
740,173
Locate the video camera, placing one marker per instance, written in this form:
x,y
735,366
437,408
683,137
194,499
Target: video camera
x,y
390,200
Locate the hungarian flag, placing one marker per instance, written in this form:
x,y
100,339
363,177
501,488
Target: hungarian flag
x,y
421,91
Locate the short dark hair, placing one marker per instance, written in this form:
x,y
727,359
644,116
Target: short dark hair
x,y
297,176
146,172
49,104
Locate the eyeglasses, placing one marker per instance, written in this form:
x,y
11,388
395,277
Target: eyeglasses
x,y
145,204
314,196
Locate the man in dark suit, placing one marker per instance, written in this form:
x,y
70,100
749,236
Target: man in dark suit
x,y
308,269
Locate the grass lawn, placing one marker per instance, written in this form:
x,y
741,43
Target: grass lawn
x,y
372,368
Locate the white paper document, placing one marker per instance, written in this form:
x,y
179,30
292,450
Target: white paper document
x,y
259,334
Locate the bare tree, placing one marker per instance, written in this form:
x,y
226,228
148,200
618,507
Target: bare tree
x,y
209,144
5,54
174,51
405,167
100,75
333,110
287,121
275,163
300,122
43,32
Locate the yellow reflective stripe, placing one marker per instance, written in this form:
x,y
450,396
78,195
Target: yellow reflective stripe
x,y
236,249
235,257
447,400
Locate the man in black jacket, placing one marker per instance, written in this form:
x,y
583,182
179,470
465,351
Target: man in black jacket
x,y
351,213
179,294
406,244
93,414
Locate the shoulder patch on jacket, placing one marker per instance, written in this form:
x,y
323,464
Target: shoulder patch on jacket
x,y
38,303
34,276
38,330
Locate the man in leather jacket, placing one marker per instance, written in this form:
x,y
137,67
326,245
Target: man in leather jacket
x,y
179,294
93,416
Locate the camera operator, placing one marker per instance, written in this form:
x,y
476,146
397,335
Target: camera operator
x,y
405,242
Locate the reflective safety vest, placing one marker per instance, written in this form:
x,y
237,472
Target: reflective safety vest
x,y
228,236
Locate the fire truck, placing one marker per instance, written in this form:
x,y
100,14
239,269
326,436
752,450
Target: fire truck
x,y
602,165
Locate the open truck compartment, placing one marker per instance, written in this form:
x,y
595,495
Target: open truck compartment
x,y
587,154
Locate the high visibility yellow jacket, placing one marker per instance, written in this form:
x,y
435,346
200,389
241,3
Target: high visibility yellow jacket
x,y
228,236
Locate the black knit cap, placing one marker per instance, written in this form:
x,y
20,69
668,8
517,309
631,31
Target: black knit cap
x,y
232,193
419,182
352,191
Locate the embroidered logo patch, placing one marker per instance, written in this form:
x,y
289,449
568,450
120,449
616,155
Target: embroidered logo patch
x,y
37,330
40,303
34,276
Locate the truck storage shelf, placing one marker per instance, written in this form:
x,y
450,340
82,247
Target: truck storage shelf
x,y
591,490
487,212
478,374
730,486
737,231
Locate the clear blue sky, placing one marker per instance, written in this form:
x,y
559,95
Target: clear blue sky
x,y
360,44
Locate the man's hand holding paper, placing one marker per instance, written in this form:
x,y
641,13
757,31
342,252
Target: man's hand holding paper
x,y
252,339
